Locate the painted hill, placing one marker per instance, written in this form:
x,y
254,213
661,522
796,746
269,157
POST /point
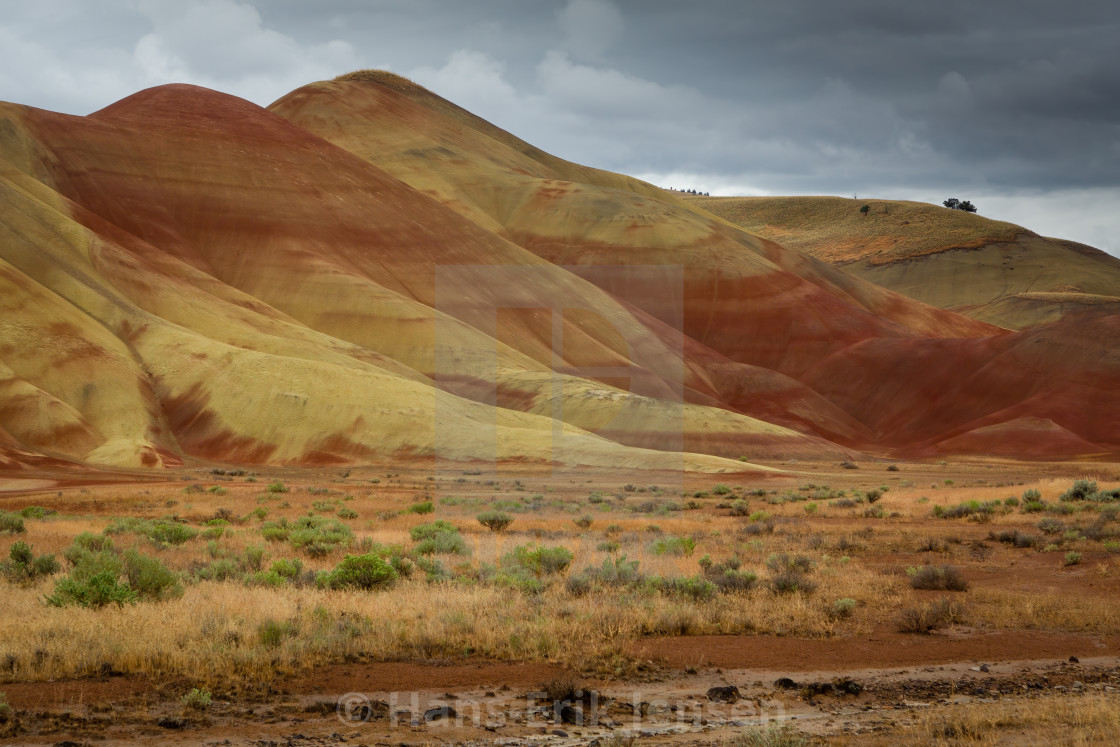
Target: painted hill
x,y
989,270
367,272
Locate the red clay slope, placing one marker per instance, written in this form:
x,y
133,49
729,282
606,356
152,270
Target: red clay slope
x,y
744,300
259,294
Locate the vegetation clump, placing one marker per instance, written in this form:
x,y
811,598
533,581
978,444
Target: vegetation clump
x,y
938,578
438,537
495,521
23,567
101,576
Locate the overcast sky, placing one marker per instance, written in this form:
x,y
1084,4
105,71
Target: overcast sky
x,y
1014,104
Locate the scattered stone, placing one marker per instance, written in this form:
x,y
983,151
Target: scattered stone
x,y
441,712
984,668
728,694
172,722
570,715
559,733
785,683
1074,660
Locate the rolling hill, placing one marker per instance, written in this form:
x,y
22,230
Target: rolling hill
x,y
365,272
988,270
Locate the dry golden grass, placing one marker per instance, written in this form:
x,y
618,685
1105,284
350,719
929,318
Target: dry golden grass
x,y
1071,720
212,633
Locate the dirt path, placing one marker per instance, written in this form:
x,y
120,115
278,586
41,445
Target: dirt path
x,y
486,702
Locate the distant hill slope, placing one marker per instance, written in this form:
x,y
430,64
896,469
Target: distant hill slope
x,y
990,270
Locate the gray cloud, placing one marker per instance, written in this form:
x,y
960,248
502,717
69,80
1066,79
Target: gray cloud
x,y
1012,103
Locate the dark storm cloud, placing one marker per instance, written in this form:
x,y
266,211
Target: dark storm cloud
x,y
1013,102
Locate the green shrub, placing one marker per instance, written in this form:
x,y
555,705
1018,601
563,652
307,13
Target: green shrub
x,y
347,513
538,561
318,535
149,578
431,529
285,568
254,558
23,567
424,507
695,588
740,508
1073,558
615,572
96,590
276,531
36,512
721,489
11,523
277,487
197,699
272,632
495,521
269,579
366,572
91,542
671,545
584,522
1080,491
6,712
445,543
842,608
159,531
730,580
219,570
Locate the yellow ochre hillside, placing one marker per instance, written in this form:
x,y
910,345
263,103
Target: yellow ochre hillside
x,y
989,270
365,272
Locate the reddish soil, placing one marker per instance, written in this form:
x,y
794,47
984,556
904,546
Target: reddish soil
x,y
373,677
883,648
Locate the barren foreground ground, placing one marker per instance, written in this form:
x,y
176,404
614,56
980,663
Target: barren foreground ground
x,y
878,603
